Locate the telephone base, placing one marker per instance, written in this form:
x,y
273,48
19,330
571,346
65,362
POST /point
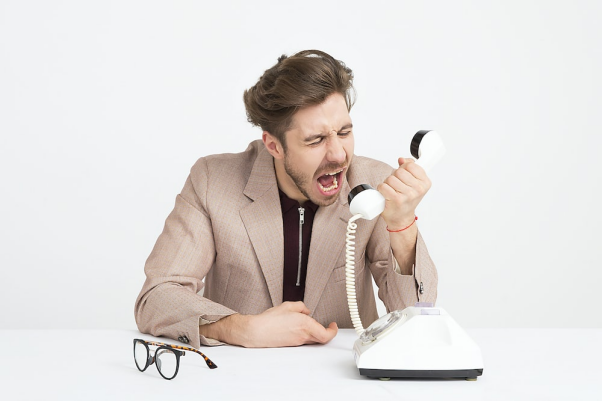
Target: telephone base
x,y
417,342
470,374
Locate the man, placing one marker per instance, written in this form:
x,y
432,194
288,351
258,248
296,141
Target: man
x,y
265,229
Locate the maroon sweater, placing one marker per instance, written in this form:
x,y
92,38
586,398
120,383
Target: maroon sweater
x,y
296,218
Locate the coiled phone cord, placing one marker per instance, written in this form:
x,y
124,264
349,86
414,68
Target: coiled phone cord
x,y
350,274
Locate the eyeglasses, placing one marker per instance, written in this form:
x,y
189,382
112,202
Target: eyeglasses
x,y
166,357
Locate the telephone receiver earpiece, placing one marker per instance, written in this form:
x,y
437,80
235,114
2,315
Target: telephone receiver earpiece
x,y
427,147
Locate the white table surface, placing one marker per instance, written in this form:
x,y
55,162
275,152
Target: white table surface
x,y
525,364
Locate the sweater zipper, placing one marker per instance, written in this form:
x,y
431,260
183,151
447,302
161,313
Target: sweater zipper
x,y
301,222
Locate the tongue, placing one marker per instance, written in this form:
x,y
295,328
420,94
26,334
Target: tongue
x,y
326,180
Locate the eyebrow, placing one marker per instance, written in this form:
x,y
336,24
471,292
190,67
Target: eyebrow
x,y
316,136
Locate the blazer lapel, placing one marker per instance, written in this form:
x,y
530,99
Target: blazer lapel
x,y
327,244
263,222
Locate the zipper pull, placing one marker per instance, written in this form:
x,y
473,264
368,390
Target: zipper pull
x,y
301,215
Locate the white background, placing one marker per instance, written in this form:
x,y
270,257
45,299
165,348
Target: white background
x,y
105,106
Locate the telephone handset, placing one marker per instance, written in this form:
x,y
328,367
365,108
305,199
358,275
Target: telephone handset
x,y
419,341
427,147
366,202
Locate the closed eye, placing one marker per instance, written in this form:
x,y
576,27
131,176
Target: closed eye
x,y
316,141
319,138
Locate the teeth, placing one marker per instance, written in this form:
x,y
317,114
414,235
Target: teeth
x,y
335,183
333,186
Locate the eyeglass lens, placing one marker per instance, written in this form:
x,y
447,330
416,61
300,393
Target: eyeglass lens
x,y
140,355
166,362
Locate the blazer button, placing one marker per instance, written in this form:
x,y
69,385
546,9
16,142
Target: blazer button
x,y
421,290
181,339
184,339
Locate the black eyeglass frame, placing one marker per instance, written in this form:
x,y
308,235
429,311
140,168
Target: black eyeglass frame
x,y
150,358
173,349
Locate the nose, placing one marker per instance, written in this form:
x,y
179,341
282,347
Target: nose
x,y
336,152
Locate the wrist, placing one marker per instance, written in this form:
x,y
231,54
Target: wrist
x,y
400,227
229,329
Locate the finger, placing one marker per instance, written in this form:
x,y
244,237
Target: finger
x,y
320,334
406,174
390,193
417,171
297,307
398,185
330,331
423,183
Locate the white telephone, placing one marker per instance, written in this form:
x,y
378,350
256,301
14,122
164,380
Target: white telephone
x,y
420,341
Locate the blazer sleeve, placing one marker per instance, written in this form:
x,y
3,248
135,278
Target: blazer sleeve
x,y
168,304
395,290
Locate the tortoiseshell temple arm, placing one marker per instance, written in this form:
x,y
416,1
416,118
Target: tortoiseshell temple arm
x,y
210,364
208,361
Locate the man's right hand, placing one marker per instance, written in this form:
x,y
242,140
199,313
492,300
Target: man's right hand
x,y
286,325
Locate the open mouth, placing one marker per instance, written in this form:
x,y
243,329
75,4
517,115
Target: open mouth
x,y
329,183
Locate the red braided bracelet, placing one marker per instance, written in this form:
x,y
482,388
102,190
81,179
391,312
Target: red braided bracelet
x,y
401,230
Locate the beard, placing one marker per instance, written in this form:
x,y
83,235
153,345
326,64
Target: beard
x,y
304,182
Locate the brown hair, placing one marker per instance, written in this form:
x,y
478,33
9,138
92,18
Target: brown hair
x,y
304,79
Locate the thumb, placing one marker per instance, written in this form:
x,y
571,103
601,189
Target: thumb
x,y
332,328
402,161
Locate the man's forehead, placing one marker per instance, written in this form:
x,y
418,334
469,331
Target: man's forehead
x,y
330,115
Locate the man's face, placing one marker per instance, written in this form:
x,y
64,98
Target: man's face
x,y
319,150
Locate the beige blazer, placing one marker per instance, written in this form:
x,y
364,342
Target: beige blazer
x,y
226,231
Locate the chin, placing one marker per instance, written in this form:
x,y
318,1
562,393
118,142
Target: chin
x,y
325,202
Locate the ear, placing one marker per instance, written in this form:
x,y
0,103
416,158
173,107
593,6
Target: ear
x,y
273,145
